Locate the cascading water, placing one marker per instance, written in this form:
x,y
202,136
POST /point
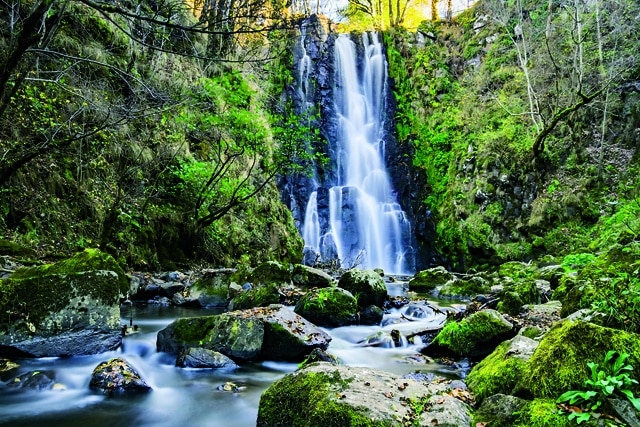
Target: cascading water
x,y
356,218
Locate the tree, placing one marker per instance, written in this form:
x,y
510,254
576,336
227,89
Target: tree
x,y
561,52
94,102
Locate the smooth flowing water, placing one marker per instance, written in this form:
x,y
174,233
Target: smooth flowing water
x,y
356,218
182,397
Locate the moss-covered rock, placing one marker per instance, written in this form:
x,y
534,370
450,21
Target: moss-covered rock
x,y
322,394
202,358
464,288
499,410
516,270
500,372
274,333
308,277
366,285
259,296
541,413
560,361
13,249
329,307
117,377
270,272
212,289
427,280
473,336
63,309
574,294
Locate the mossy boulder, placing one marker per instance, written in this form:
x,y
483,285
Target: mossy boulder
x,y
117,377
499,410
266,281
308,277
329,307
464,288
560,361
270,272
541,413
366,285
499,372
260,296
64,309
574,294
516,270
475,336
322,394
515,295
427,280
274,333
212,289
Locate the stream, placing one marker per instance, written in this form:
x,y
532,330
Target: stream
x,y
183,397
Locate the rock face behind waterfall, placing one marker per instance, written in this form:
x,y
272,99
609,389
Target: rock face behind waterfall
x,y
273,333
65,309
332,206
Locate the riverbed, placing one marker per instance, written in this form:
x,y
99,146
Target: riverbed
x,y
182,397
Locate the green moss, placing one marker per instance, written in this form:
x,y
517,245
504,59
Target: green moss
x,y
463,337
315,404
542,413
193,330
560,361
497,373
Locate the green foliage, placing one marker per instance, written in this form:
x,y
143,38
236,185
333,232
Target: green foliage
x,y
613,379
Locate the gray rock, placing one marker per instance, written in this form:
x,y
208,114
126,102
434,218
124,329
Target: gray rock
x,y
117,377
197,357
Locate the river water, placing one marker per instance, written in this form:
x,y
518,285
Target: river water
x,y
185,397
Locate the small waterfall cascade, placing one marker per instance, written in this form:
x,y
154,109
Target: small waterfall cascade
x,y
356,218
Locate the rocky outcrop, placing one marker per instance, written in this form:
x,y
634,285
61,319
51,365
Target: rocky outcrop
x,y
65,309
366,285
323,394
273,333
117,377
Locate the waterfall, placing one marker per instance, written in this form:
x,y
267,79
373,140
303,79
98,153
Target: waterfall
x,y
356,218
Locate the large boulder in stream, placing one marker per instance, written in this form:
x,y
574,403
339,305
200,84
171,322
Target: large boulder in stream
x,y
65,309
474,336
322,394
366,285
117,377
273,332
329,307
